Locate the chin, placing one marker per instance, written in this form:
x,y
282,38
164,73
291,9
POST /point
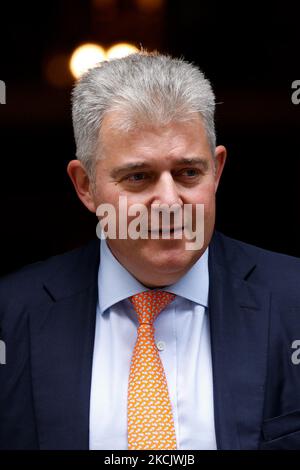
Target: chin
x,y
170,261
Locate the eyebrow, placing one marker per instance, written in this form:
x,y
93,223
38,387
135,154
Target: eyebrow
x,y
198,161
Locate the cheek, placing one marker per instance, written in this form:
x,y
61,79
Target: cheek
x,y
207,197
204,194
107,194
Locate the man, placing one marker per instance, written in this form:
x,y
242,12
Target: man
x,y
139,342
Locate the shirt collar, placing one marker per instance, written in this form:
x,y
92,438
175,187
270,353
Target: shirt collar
x,y
115,283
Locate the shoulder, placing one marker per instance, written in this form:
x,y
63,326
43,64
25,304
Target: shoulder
x,y
274,269
25,286
256,251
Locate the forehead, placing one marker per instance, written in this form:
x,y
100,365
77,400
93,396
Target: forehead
x,y
176,139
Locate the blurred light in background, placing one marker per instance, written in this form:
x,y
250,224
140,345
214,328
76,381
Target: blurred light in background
x,y
86,57
104,3
122,49
89,55
150,6
57,71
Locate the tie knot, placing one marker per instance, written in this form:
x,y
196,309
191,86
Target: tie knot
x,y
149,304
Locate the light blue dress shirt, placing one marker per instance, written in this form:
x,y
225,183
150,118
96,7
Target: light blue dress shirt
x,y
183,340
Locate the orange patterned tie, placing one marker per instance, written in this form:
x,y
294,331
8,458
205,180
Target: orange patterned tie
x,y
150,418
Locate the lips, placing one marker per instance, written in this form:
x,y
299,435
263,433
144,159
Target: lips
x,y
167,230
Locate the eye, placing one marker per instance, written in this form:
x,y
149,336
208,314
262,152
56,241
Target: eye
x,y
190,172
136,177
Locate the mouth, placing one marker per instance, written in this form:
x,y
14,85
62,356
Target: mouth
x,y
166,230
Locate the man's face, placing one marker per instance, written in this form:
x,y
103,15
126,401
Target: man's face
x,y
166,165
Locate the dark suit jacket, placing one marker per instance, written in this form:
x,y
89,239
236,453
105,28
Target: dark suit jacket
x,y
47,318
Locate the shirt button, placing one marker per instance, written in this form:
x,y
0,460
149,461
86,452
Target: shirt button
x,y
161,345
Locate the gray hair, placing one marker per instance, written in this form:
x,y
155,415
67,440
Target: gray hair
x,y
146,89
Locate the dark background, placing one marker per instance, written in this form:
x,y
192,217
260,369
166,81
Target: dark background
x,y
251,54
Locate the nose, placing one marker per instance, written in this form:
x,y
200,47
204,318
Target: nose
x,y
166,191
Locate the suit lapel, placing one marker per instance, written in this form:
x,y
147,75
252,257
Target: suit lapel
x,y
239,312
62,337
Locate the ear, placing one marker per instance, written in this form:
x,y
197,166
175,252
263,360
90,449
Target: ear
x,y
82,184
220,158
